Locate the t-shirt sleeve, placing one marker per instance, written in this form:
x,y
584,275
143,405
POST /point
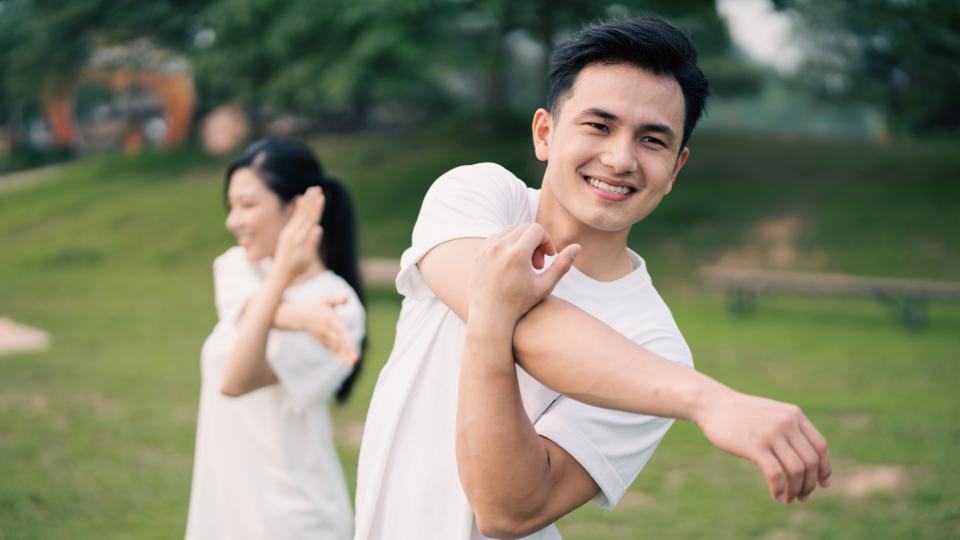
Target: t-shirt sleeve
x,y
612,446
234,280
305,369
473,201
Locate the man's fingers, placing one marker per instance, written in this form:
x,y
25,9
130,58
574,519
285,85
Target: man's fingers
x,y
532,237
792,465
819,444
774,474
497,237
811,462
335,301
561,265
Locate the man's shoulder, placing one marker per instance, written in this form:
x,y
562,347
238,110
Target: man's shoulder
x,y
482,176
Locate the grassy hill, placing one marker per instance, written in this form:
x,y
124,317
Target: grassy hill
x,y
113,258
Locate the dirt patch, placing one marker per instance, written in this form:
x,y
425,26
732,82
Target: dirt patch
x,y
97,404
674,479
24,402
856,421
772,243
636,500
380,271
17,338
783,534
861,481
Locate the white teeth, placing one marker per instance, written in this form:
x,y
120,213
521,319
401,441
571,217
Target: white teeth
x,y
620,190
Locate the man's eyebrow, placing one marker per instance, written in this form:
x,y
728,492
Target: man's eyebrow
x,y
655,127
602,114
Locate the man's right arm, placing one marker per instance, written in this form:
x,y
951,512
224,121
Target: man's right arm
x,y
575,354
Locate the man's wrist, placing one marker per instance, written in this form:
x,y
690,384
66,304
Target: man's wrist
x,y
487,334
488,324
702,396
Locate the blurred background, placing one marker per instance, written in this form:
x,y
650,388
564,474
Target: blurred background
x,y
828,162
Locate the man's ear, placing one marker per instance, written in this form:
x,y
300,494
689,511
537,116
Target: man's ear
x,y
542,128
681,159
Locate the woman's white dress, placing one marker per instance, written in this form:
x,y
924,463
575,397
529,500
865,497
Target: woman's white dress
x,y
266,466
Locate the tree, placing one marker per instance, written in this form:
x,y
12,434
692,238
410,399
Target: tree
x,y
900,56
305,56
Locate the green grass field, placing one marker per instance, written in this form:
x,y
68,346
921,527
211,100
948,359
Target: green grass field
x,y
113,259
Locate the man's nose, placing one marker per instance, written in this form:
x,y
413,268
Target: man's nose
x,y
620,155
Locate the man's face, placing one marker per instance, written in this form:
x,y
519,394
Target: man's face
x,y
613,149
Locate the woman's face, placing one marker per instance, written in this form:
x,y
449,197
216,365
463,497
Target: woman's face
x,y
256,215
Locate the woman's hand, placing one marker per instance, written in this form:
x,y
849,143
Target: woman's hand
x,y
320,319
300,238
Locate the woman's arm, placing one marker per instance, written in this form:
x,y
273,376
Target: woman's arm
x,y
247,367
321,320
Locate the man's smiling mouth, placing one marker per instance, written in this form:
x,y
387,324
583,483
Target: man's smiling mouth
x,y
609,188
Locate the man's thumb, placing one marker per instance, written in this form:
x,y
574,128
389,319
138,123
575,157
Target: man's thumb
x,y
336,300
561,265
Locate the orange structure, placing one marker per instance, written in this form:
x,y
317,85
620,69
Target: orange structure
x,y
169,82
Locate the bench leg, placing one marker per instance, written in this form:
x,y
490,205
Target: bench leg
x,y
915,312
740,300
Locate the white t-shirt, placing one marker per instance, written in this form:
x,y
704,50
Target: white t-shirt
x,y
407,485
265,465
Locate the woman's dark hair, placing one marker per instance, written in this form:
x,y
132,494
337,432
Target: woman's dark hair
x,y
288,168
650,43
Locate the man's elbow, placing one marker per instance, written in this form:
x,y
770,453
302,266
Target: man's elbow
x,y
528,341
505,525
232,390
231,387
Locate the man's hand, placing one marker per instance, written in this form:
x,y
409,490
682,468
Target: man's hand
x,y
775,436
503,283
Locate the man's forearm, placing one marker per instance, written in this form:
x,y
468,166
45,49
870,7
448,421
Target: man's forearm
x,y
502,462
577,355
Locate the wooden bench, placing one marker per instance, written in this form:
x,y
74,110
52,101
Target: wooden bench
x,y
910,296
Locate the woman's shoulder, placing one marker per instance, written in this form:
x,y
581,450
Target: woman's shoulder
x,y
233,259
330,283
233,255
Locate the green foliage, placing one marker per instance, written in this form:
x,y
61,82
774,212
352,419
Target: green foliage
x,y
330,59
305,56
896,55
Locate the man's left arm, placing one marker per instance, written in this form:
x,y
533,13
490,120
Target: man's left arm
x,y
517,481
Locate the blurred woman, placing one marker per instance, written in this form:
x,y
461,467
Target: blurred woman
x,y
289,336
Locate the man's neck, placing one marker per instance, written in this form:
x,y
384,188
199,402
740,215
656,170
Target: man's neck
x,y
603,254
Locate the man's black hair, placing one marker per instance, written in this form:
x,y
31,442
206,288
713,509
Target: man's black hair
x,y
650,43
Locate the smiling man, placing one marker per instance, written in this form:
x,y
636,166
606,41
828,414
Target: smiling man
x,y
535,366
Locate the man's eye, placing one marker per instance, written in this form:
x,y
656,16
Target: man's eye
x,y
653,140
599,126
